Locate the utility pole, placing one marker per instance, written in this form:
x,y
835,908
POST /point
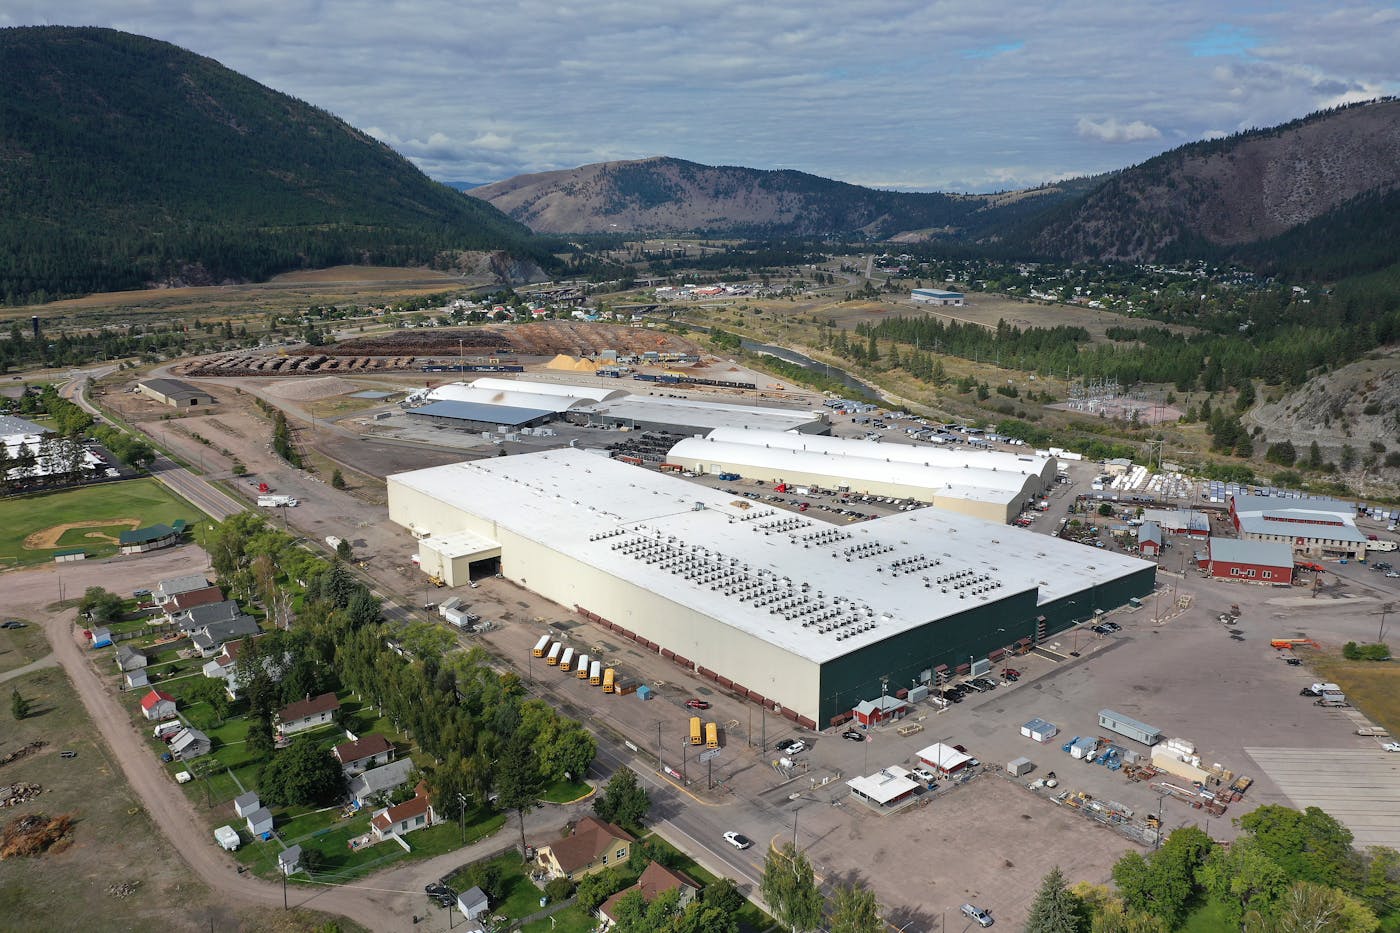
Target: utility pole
x,y
658,745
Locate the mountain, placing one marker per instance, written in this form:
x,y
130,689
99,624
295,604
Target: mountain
x,y
665,195
1302,196
127,162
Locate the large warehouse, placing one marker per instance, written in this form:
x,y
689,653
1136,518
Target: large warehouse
x,y
788,610
987,484
697,416
1315,527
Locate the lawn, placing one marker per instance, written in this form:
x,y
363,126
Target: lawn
x,y
521,896
566,792
1208,918
1371,686
20,646
144,500
572,919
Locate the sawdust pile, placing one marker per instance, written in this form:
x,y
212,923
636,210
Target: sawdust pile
x,y
311,390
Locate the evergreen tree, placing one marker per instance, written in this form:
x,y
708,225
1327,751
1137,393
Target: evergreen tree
x,y
1054,909
19,706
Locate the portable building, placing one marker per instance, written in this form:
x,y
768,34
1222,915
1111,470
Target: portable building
x,y
1124,725
1019,766
1039,730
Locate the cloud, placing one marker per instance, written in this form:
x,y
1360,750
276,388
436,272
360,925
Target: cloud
x,y
1112,131
956,96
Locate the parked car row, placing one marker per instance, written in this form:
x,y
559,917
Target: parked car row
x,y
1107,628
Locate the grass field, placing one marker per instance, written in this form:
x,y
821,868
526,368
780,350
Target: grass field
x,y
1371,686
20,646
143,500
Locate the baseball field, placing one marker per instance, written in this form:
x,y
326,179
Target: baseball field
x,y
34,527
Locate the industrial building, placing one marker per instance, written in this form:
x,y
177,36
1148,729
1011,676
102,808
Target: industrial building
x,y
697,416
1179,521
1315,527
1251,561
795,613
937,296
986,484
174,393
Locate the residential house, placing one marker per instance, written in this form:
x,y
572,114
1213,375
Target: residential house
x,y
189,743
166,590
129,659
210,639
362,754
136,679
368,787
473,903
203,596
245,804
289,860
593,846
157,705
260,822
195,618
406,817
307,714
656,879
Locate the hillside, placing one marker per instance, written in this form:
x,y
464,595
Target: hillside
x,y
1244,195
129,162
665,195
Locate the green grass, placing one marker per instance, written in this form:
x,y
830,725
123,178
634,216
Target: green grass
x,y
1371,686
566,791
572,919
143,499
521,896
1210,917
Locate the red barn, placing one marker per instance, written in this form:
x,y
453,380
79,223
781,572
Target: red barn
x,y
1251,561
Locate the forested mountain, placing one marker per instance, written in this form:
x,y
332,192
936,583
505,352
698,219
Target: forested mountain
x,y
126,162
664,195
1315,198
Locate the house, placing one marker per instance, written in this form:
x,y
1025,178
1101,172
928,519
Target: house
x,y
1149,535
404,818
307,714
874,712
157,705
210,639
135,679
593,846
366,788
195,618
129,659
289,860
188,600
360,755
473,903
166,590
245,804
1249,561
656,879
260,822
189,743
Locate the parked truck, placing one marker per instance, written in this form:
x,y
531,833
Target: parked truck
x,y
277,502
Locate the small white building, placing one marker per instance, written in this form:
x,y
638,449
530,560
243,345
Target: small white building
x,y
245,804
289,859
260,822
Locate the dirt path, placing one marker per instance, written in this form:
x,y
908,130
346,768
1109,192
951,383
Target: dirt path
x,y
48,538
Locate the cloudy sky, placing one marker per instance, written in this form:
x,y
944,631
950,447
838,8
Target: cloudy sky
x,y
974,95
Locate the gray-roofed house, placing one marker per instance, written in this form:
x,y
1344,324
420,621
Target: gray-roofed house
x,y
196,617
210,639
189,743
366,788
245,804
167,589
260,822
136,678
289,859
129,659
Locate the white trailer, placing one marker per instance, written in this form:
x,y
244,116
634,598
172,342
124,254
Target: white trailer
x,y
227,838
277,502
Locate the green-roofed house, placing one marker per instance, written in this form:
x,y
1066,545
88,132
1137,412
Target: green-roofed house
x,y
152,538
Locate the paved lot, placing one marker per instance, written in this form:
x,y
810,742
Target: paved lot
x,y
1360,787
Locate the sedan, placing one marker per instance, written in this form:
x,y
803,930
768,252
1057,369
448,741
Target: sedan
x,y
855,735
696,703
738,840
1112,626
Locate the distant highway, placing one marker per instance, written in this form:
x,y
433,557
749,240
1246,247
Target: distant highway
x,y
218,504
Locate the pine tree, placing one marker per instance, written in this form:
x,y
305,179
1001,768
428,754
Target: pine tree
x,y
19,706
1054,908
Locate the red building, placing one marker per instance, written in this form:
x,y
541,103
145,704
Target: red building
x,y
1251,561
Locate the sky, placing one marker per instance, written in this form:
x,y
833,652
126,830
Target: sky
x,y
978,95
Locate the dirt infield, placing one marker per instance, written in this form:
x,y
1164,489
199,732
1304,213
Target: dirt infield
x,y
48,538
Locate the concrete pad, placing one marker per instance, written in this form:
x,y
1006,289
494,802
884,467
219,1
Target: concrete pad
x,y
1360,787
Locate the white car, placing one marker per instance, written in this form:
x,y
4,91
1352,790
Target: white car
x,y
738,840
1391,746
977,914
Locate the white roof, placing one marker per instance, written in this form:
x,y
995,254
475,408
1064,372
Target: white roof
x,y
944,757
703,414
226,835
564,390
960,472
885,785
459,544
729,556
504,398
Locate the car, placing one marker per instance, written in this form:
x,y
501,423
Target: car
x,y
437,889
697,703
925,775
1011,672
1392,574
738,840
1112,626
1101,630
67,754
986,682
792,746
855,735
977,915
13,623
1391,746
1308,692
